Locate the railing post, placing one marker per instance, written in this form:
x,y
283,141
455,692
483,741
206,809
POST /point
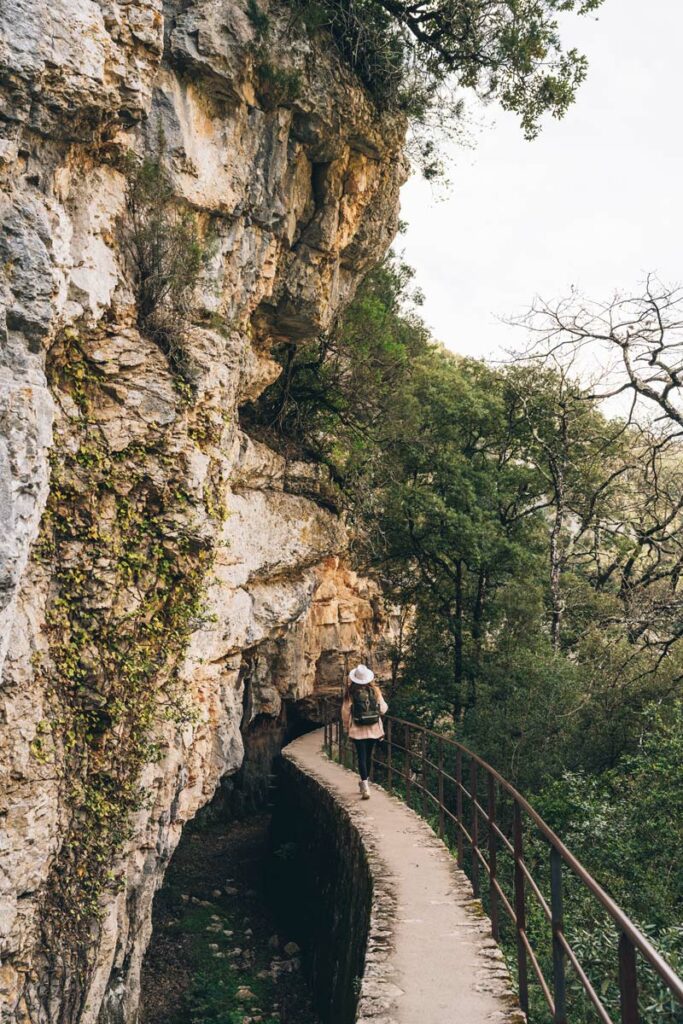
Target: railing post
x,y
458,803
423,756
520,909
475,828
628,983
493,895
557,922
407,764
389,761
441,817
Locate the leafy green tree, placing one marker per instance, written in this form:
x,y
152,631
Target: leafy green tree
x,y
510,50
626,827
627,822
331,403
581,458
446,476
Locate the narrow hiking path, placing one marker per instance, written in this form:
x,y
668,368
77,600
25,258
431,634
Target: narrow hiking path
x,y
440,964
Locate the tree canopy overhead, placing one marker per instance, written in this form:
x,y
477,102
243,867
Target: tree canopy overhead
x,y
509,50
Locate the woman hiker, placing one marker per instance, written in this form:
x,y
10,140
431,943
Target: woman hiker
x,y
361,709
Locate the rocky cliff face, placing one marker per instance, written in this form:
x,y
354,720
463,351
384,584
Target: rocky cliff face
x,y
164,580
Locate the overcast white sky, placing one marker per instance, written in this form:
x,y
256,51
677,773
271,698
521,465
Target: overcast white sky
x,y
596,201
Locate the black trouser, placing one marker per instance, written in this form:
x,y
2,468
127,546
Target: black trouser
x,y
364,750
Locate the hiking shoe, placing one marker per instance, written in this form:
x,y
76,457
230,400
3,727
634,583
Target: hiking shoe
x,y
365,790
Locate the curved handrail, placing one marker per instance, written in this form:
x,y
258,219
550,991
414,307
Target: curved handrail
x,y
630,937
615,912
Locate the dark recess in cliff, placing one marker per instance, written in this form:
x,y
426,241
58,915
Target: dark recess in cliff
x,y
219,951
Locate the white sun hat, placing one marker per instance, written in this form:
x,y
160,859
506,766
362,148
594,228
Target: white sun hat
x,y
361,674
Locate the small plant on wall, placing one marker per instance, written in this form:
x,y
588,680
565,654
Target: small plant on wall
x,y
166,250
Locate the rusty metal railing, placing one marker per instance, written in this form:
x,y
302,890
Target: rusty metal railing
x,y
411,753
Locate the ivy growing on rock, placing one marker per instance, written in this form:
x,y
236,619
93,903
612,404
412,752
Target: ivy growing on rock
x,y
127,566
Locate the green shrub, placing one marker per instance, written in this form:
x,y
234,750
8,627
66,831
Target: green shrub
x,y
257,17
166,251
278,87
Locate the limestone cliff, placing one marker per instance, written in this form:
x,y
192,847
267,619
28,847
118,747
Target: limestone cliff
x,y
164,579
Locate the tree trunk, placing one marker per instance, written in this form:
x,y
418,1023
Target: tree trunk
x,y
398,652
457,642
556,605
477,635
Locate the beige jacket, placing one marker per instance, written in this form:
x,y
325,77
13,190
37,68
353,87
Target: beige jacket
x,y
363,732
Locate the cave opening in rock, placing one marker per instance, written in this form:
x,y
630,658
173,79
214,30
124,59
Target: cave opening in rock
x,y
220,951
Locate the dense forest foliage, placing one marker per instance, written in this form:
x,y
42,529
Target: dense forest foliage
x,y
534,547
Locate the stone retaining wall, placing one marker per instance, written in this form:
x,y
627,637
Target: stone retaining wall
x,y
328,881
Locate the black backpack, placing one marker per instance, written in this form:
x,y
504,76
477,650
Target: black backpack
x,y
364,704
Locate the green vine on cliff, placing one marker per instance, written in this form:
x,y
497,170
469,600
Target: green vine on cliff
x,y
127,572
